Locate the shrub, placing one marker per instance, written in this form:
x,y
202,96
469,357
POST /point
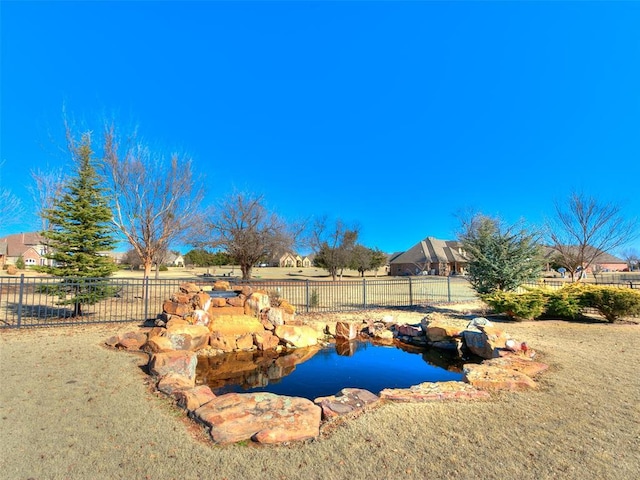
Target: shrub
x,y
20,263
611,302
518,306
314,298
163,268
563,303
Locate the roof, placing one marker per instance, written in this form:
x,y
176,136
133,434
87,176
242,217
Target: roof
x,y
19,243
601,257
431,250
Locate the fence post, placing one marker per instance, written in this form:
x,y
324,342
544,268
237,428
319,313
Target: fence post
x,y
20,299
410,293
307,293
449,289
145,287
364,293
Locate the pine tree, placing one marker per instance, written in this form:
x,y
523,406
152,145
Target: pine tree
x,y
79,233
500,258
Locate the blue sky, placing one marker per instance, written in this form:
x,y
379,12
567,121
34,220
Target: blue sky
x,y
392,115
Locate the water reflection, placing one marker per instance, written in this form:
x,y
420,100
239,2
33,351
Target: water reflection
x,y
314,372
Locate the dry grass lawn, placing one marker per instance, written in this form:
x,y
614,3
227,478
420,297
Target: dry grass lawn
x,y
72,409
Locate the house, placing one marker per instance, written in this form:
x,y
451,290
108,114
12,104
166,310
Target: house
x,y
430,256
30,246
602,261
291,260
174,259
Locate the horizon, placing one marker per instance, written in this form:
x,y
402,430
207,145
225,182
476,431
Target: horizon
x,y
394,116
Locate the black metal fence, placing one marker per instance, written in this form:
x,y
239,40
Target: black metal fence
x,y
28,301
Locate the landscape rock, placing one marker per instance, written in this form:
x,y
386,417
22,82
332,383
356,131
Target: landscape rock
x,y
297,336
188,337
434,391
193,398
347,401
488,377
261,417
172,382
178,361
347,330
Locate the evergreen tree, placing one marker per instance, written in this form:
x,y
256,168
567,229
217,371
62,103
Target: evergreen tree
x,y
79,233
500,258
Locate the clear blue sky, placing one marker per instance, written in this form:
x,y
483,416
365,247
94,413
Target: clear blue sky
x,y
393,115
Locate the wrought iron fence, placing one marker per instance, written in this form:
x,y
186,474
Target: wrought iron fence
x,y
29,301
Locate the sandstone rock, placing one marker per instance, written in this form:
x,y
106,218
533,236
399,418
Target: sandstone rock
x,y
347,330
256,302
244,342
189,288
172,382
302,336
486,377
175,321
287,307
181,361
225,310
262,417
200,301
175,308
180,297
409,330
188,337
199,317
218,302
518,363
158,344
485,340
131,340
193,398
221,342
265,340
347,401
235,325
434,391
221,285
438,329
238,301
275,316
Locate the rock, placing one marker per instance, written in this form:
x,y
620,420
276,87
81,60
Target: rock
x,y
265,340
409,330
221,285
172,382
193,398
518,363
441,329
201,301
434,391
244,342
485,340
238,301
487,377
218,302
261,417
188,337
347,330
222,342
275,316
131,340
256,302
347,401
225,311
189,288
180,361
235,325
302,336
175,308
158,344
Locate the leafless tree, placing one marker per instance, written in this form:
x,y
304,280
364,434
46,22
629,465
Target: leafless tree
x,y
155,202
584,229
48,185
243,227
632,257
333,243
11,208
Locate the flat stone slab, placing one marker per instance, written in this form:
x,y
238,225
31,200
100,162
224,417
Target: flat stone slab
x,y
434,391
261,417
489,377
347,401
518,363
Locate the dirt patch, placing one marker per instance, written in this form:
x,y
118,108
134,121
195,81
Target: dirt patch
x,y
70,408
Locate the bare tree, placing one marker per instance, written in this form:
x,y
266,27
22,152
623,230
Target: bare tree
x,y
48,187
584,229
333,244
243,227
155,202
11,208
632,257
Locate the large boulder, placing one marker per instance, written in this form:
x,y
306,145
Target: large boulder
x,y
193,398
261,417
347,330
346,402
297,336
178,361
439,328
235,325
482,338
188,337
488,377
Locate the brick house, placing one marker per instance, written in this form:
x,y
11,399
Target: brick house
x,y
30,246
430,256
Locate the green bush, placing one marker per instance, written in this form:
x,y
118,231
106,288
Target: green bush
x,y
314,299
20,263
611,302
518,306
163,268
563,303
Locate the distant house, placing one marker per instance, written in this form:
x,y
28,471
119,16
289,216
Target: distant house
x,y
291,260
603,262
175,259
430,256
30,246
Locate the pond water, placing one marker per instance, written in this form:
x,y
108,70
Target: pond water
x,y
316,372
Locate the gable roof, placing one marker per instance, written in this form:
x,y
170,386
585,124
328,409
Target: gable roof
x,y
431,250
18,243
600,257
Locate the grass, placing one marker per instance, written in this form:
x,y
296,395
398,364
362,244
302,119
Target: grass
x,y
72,409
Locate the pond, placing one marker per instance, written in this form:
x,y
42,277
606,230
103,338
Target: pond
x,y
316,372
